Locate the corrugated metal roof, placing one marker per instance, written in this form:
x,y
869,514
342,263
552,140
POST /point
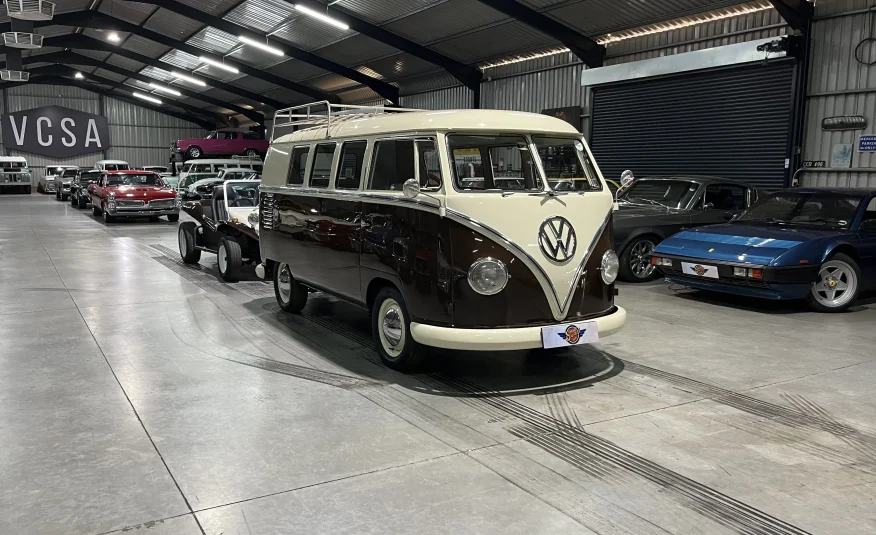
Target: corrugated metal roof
x,y
144,46
253,84
356,50
251,55
444,20
263,15
125,63
183,60
214,40
288,96
133,12
383,11
401,66
96,54
309,33
101,35
296,70
216,7
109,75
173,25
161,74
499,41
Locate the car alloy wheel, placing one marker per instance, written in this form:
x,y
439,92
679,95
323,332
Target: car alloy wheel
x,y
252,153
391,327
837,285
640,259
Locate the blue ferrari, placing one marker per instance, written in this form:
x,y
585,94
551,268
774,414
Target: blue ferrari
x,y
803,243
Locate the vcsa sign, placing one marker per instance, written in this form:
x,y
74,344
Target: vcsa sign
x,y
55,131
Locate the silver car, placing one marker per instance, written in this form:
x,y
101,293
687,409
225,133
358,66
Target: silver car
x,y
49,181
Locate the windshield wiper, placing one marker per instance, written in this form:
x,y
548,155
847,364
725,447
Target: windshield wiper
x,y
655,203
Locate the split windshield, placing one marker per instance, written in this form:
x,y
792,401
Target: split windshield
x,y
134,180
566,164
669,193
802,208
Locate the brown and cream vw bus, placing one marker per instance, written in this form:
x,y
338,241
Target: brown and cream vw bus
x,y
458,229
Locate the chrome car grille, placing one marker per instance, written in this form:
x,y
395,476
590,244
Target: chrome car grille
x,y
129,204
163,203
267,212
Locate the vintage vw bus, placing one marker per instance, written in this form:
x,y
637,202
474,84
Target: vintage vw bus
x,y
458,229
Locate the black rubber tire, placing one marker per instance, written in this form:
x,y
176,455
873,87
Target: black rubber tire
x,y
251,153
58,193
190,153
298,297
625,273
106,217
40,188
154,219
233,259
818,307
95,209
73,201
173,218
82,202
65,196
412,353
27,190
188,252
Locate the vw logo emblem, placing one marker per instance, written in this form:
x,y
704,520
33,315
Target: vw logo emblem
x,y
557,239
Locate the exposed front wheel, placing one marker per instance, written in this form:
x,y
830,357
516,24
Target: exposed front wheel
x,y
391,329
73,200
193,153
635,261
291,295
252,153
187,250
58,193
230,259
95,209
836,287
107,218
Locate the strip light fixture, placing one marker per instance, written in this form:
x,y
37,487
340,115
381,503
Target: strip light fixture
x,y
263,46
188,78
114,37
163,89
79,76
213,62
146,97
322,16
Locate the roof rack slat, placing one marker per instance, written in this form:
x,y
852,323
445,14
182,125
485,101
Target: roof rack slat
x,y
324,114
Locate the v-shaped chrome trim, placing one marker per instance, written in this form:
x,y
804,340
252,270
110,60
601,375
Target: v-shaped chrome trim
x,y
559,309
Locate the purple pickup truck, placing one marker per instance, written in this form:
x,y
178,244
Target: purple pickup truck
x,y
224,142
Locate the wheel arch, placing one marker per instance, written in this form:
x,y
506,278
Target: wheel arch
x,y
376,284
842,248
641,233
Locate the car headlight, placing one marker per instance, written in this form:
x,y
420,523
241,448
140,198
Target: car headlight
x,y
487,276
253,220
177,201
609,267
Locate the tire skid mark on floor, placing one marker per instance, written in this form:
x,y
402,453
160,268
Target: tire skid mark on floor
x,y
540,430
801,414
561,409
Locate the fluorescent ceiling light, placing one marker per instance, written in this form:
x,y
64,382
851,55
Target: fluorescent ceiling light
x,y
146,97
219,64
263,46
78,76
163,89
187,78
321,16
114,37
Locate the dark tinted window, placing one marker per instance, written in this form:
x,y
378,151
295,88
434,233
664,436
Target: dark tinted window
x,y
817,209
297,166
726,196
320,173
252,135
135,180
671,193
350,166
392,164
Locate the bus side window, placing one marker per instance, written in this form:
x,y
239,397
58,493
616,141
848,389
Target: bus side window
x,y
297,165
392,164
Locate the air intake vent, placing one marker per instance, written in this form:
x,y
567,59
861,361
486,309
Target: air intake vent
x,y
267,212
23,40
30,9
14,76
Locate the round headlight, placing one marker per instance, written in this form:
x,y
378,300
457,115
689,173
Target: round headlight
x,y
487,276
253,220
609,267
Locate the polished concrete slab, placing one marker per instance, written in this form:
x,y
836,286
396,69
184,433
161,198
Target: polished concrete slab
x,y
139,395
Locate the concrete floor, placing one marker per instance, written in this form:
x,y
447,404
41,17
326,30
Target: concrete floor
x,y
141,396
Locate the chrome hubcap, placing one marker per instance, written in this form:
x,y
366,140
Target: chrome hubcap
x,y
640,259
836,284
284,283
223,259
183,245
392,327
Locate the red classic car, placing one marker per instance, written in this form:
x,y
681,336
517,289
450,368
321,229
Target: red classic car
x,y
133,194
225,142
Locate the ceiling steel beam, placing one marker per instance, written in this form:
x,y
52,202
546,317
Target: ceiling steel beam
x,y
72,58
797,13
384,89
69,72
588,50
470,76
74,41
97,20
66,82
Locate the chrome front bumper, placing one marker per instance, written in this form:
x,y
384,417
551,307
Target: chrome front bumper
x,y
141,212
50,186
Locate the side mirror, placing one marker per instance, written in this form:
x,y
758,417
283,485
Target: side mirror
x,y
411,188
708,206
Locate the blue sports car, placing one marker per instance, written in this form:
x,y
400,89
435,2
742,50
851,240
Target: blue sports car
x,y
803,243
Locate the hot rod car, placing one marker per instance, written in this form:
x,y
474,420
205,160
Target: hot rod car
x,y
226,224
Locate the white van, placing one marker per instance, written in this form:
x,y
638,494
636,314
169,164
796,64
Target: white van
x,y
214,166
14,174
112,165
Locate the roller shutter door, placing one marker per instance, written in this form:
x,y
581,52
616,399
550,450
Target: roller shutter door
x,y
732,123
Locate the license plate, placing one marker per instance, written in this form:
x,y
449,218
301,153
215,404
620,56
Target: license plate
x,y
571,334
699,270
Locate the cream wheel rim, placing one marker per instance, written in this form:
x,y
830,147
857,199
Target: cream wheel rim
x,y
391,327
183,243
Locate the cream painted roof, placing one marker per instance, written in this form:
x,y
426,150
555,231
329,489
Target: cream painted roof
x,y
12,159
346,126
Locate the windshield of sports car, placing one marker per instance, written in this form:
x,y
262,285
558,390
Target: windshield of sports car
x,y
567,166
135,180
669,193
823,209
493,163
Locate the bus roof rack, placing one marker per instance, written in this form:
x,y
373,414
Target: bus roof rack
x,y
247,158
324,114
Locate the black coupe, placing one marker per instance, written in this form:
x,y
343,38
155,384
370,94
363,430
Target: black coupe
x,y
654,208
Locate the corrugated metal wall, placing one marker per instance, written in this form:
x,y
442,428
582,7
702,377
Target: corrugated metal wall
x,y
840,85
138,135
555,81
